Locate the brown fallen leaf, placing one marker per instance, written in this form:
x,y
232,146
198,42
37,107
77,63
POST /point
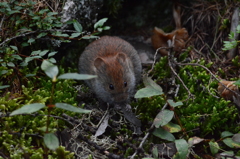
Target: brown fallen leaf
x,y
224,92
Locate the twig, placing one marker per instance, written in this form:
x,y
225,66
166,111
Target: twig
x,y
2,22
170,58
24,34
142,142
155,57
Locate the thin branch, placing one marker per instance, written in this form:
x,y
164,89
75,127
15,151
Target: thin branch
x,y
24,34
155,57
170,58
2,22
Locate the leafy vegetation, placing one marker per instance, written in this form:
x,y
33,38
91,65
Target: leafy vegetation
x,y
35,92
30,103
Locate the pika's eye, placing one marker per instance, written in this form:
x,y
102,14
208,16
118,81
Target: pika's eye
x,y
125,84
111,87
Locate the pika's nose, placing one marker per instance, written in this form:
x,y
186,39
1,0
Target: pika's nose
x,y
121,98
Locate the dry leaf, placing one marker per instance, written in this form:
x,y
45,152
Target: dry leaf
x,y
224,92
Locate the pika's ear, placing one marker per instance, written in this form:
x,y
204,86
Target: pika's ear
x,y
99,62
121,57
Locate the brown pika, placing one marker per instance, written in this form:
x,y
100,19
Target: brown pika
x,y
117,65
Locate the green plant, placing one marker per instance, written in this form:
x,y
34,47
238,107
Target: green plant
x,y
51,70
205,112
228,45
163,128
26,25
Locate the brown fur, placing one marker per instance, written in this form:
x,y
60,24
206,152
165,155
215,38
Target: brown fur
x,y
116,63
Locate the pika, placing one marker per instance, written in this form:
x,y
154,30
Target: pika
x,y
117,65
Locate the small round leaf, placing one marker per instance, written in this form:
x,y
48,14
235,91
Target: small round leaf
x,y
50,69
182,148
51,141
163,134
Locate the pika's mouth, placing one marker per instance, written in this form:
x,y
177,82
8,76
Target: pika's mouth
x,y
120,98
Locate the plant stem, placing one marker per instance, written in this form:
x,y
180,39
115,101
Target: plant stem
x,y
51,103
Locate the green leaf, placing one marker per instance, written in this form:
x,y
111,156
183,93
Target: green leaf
x,y
41,35
106,28
52,53
90,37
52,13
4,86
36,18
44,52
237,83
182,149
149,82
99,29
173,104
17,57
71,108
52,60
238,29
77,26
155,152
28,59
43,11
76,76
63,35
230,143
228,153
14,47
51,141
151,89
163,134
50,69
3,72
236,138
163,118
73,35
31,40
35,52
214,147
226,134
147,92
28,109
24,44
14,11
23,63
100,23
30,75
10,64
172,128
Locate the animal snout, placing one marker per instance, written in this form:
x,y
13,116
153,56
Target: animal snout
x,y
121,98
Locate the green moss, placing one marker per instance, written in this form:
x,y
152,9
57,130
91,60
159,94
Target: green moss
x,y
17,139
205,112
202,116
